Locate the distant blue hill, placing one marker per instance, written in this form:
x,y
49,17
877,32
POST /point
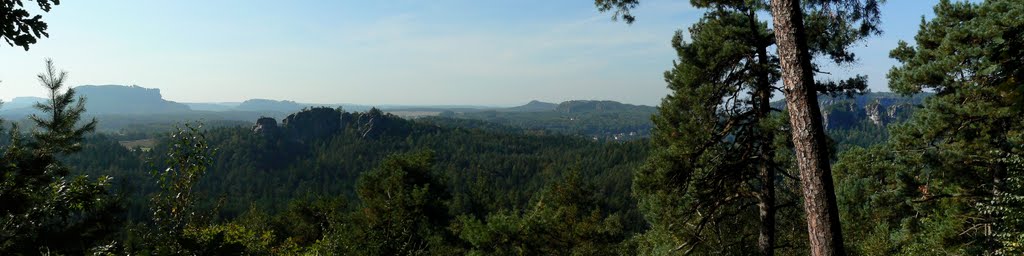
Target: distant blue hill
x,y
105,100
533,106
596,106
22,102
119,99
267,106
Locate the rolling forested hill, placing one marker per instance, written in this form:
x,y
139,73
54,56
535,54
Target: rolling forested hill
x,y
322,151
304,177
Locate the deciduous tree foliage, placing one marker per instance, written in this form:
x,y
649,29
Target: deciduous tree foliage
x,y
18,26
174,207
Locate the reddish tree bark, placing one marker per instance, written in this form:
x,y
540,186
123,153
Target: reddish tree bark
x,y
809,138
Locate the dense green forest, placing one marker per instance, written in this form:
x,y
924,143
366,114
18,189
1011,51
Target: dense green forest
x,y
933,168
322,151
598,120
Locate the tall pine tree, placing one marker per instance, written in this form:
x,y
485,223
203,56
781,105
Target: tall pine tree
x,y
794,37
714,132
952,184
45,208
715,161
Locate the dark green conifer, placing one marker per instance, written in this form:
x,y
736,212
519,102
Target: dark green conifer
x,y
46,210
717,152
948,182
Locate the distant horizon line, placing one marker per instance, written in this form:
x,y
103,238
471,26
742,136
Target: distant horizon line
x,y
5,100
449,105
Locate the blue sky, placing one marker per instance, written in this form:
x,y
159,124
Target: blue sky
x,y
383,52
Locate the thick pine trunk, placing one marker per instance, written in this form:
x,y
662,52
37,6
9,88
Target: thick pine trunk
x,y
809,137
766,171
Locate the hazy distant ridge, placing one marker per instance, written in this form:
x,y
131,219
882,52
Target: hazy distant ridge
x,y
118,99
22,102
578,106
534,106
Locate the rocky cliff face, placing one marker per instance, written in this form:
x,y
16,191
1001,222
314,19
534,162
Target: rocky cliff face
x,y
840,113
878,109
323,122
314,123
265,126
873,114
374,123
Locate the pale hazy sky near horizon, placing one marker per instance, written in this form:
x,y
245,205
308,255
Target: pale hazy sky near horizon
x,y
445,52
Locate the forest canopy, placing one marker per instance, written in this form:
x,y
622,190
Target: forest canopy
x,y
718,168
